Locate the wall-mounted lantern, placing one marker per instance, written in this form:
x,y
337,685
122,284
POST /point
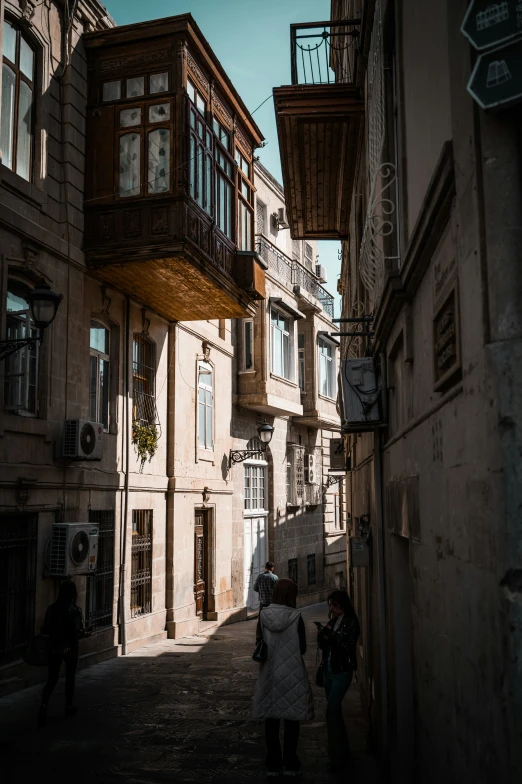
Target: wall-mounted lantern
x,y
266,432
43,302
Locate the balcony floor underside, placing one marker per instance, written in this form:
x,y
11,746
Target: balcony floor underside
x,y
319,129
175,289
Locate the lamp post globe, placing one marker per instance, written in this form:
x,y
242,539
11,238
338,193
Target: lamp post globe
x,y
43,302
266,432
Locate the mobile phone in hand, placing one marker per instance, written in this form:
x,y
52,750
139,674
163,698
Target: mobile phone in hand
x,y
318,624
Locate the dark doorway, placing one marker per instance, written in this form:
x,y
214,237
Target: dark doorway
x,y
18,534
402,593
201,562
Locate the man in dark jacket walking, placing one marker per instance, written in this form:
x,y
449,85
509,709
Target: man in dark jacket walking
x,y
264,585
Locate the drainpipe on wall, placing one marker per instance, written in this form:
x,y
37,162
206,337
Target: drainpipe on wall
x,y
124,527
171,479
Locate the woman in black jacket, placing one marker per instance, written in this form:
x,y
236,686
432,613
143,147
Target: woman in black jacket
x,y
337,641
64,625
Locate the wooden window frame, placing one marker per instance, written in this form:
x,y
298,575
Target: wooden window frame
x,y
247,202
196,147
21,77
143,129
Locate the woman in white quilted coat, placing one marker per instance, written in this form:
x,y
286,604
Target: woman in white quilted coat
x,y
283,690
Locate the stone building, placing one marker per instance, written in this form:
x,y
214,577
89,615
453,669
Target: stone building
x,y
127,185
286,367
428,208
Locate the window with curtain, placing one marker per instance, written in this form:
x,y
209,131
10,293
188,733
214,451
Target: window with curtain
x,y
281,339
144,379
245,203
17,108
99,345
205,405
20,368
326,368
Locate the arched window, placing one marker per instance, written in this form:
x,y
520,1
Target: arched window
x,y
16,129
99,373
21,368
144,379
205,405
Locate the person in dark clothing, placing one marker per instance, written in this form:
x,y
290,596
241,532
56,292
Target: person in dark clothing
x,y
65,627
337,641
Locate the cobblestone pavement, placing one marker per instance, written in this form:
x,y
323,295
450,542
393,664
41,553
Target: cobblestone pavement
x,y
175,711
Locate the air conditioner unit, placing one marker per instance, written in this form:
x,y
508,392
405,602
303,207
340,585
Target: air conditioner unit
x,y
73,549
361,404
82,440
282,220
320,272
310,472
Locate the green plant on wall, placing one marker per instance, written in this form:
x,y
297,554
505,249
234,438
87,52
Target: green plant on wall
x,y
145,439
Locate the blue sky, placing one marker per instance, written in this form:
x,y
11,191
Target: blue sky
x,y
251,38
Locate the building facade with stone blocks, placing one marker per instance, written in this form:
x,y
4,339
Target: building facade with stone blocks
x,y
148,343
286,373
431,248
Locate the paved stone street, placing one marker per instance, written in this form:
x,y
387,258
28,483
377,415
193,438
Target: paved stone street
x,y
178,710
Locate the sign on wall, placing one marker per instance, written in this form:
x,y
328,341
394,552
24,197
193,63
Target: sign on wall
x,y
488,24
496,80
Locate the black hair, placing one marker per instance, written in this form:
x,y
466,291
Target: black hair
x,y
269,565
342,600
67,592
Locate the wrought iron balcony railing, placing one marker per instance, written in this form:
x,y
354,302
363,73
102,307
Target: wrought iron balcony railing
x,y
324,52
292,273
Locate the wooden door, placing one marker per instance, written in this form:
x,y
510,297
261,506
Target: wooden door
x,y
200,563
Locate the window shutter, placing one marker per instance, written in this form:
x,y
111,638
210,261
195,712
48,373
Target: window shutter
x,y
99,179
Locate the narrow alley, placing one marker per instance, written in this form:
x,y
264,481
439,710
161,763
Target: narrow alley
x,y
177,710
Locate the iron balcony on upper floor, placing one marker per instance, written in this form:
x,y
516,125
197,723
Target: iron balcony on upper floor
x,y
292,274
319,123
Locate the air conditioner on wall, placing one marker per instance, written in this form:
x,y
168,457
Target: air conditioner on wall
x,y
320,272
282,219
82,440
72,549
309,469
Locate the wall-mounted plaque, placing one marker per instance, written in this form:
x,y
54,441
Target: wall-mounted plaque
x,y
446,342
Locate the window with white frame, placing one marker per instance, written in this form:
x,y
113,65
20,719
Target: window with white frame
x,y
205,405
99,345
21,368
17,109
326,368
248,344
301,360
281,337
255,481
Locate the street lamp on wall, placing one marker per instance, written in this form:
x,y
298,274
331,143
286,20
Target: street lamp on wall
x,y
43,303
266,432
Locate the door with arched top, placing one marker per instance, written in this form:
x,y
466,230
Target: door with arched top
x,y
255,524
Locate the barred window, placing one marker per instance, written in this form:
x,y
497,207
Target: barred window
x,y
100,587
144,379
310,568
292,570
141,566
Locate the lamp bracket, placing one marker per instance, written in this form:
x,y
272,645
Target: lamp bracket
x,y
238,455
332,480
8,347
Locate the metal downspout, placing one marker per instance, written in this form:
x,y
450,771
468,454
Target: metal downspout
x,y
125,522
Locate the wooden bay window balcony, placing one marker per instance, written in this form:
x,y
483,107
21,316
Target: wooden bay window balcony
x,y
319,122
169,190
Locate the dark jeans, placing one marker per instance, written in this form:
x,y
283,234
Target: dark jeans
x,y
336,687
55,662
274,759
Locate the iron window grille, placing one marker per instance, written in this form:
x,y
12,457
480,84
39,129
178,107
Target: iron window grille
x,y
144,380
293,570
141,563
310,569
100,587
18,543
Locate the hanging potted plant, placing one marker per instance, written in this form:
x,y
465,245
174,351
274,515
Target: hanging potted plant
x,y
145,439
